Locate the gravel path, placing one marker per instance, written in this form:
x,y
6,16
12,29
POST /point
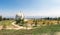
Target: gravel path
x,y
17,27
57,33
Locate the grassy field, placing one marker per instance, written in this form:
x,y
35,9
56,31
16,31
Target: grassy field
x,y
41,30
6,22
50,30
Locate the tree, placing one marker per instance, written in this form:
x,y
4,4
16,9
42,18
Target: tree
x,y
0,18
47,18
4,18
35,22
58,18
20,21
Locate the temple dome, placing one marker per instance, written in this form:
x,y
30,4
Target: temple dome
x,y
20,15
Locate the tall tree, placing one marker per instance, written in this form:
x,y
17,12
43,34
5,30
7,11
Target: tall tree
x,y
0,18
35,21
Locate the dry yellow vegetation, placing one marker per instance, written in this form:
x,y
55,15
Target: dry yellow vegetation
x,y
44,22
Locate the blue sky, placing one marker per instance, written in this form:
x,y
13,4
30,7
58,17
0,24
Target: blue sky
x,y
50,8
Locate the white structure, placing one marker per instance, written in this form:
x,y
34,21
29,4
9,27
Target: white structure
x,y
20,15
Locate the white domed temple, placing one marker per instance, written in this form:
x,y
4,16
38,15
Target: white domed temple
x,y
20,15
